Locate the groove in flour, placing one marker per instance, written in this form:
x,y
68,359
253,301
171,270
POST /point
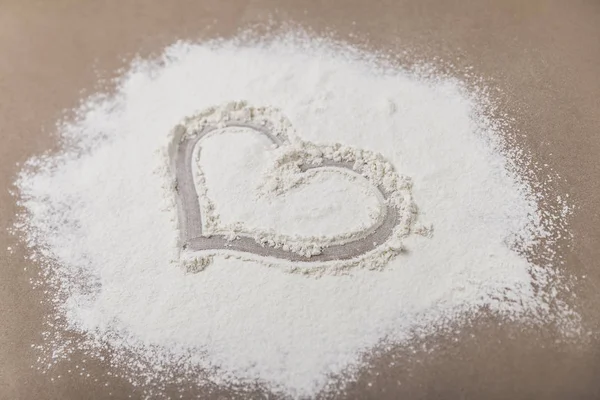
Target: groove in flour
x,y
297,160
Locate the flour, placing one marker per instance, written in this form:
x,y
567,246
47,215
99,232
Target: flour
x,y
101,218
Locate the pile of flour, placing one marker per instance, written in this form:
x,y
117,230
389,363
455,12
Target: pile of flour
x,y
101,221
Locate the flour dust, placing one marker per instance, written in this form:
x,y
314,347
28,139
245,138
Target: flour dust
x,y
100,219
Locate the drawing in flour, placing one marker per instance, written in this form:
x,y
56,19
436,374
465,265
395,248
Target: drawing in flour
x,y
296,163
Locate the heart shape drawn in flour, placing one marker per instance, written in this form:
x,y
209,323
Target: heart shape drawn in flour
x,y
296,162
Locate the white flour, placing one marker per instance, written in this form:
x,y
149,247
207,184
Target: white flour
x,y
234,173
102,220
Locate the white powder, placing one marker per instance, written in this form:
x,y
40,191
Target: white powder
x,y
234,173
102,220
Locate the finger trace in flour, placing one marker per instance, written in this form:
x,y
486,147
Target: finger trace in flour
x,y
296,164
100,218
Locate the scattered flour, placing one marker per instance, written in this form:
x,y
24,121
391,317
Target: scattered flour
x,y
101,220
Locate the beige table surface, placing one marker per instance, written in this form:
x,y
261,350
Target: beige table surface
x,y
544,56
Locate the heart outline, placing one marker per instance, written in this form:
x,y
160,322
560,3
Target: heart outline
x,y
399,209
